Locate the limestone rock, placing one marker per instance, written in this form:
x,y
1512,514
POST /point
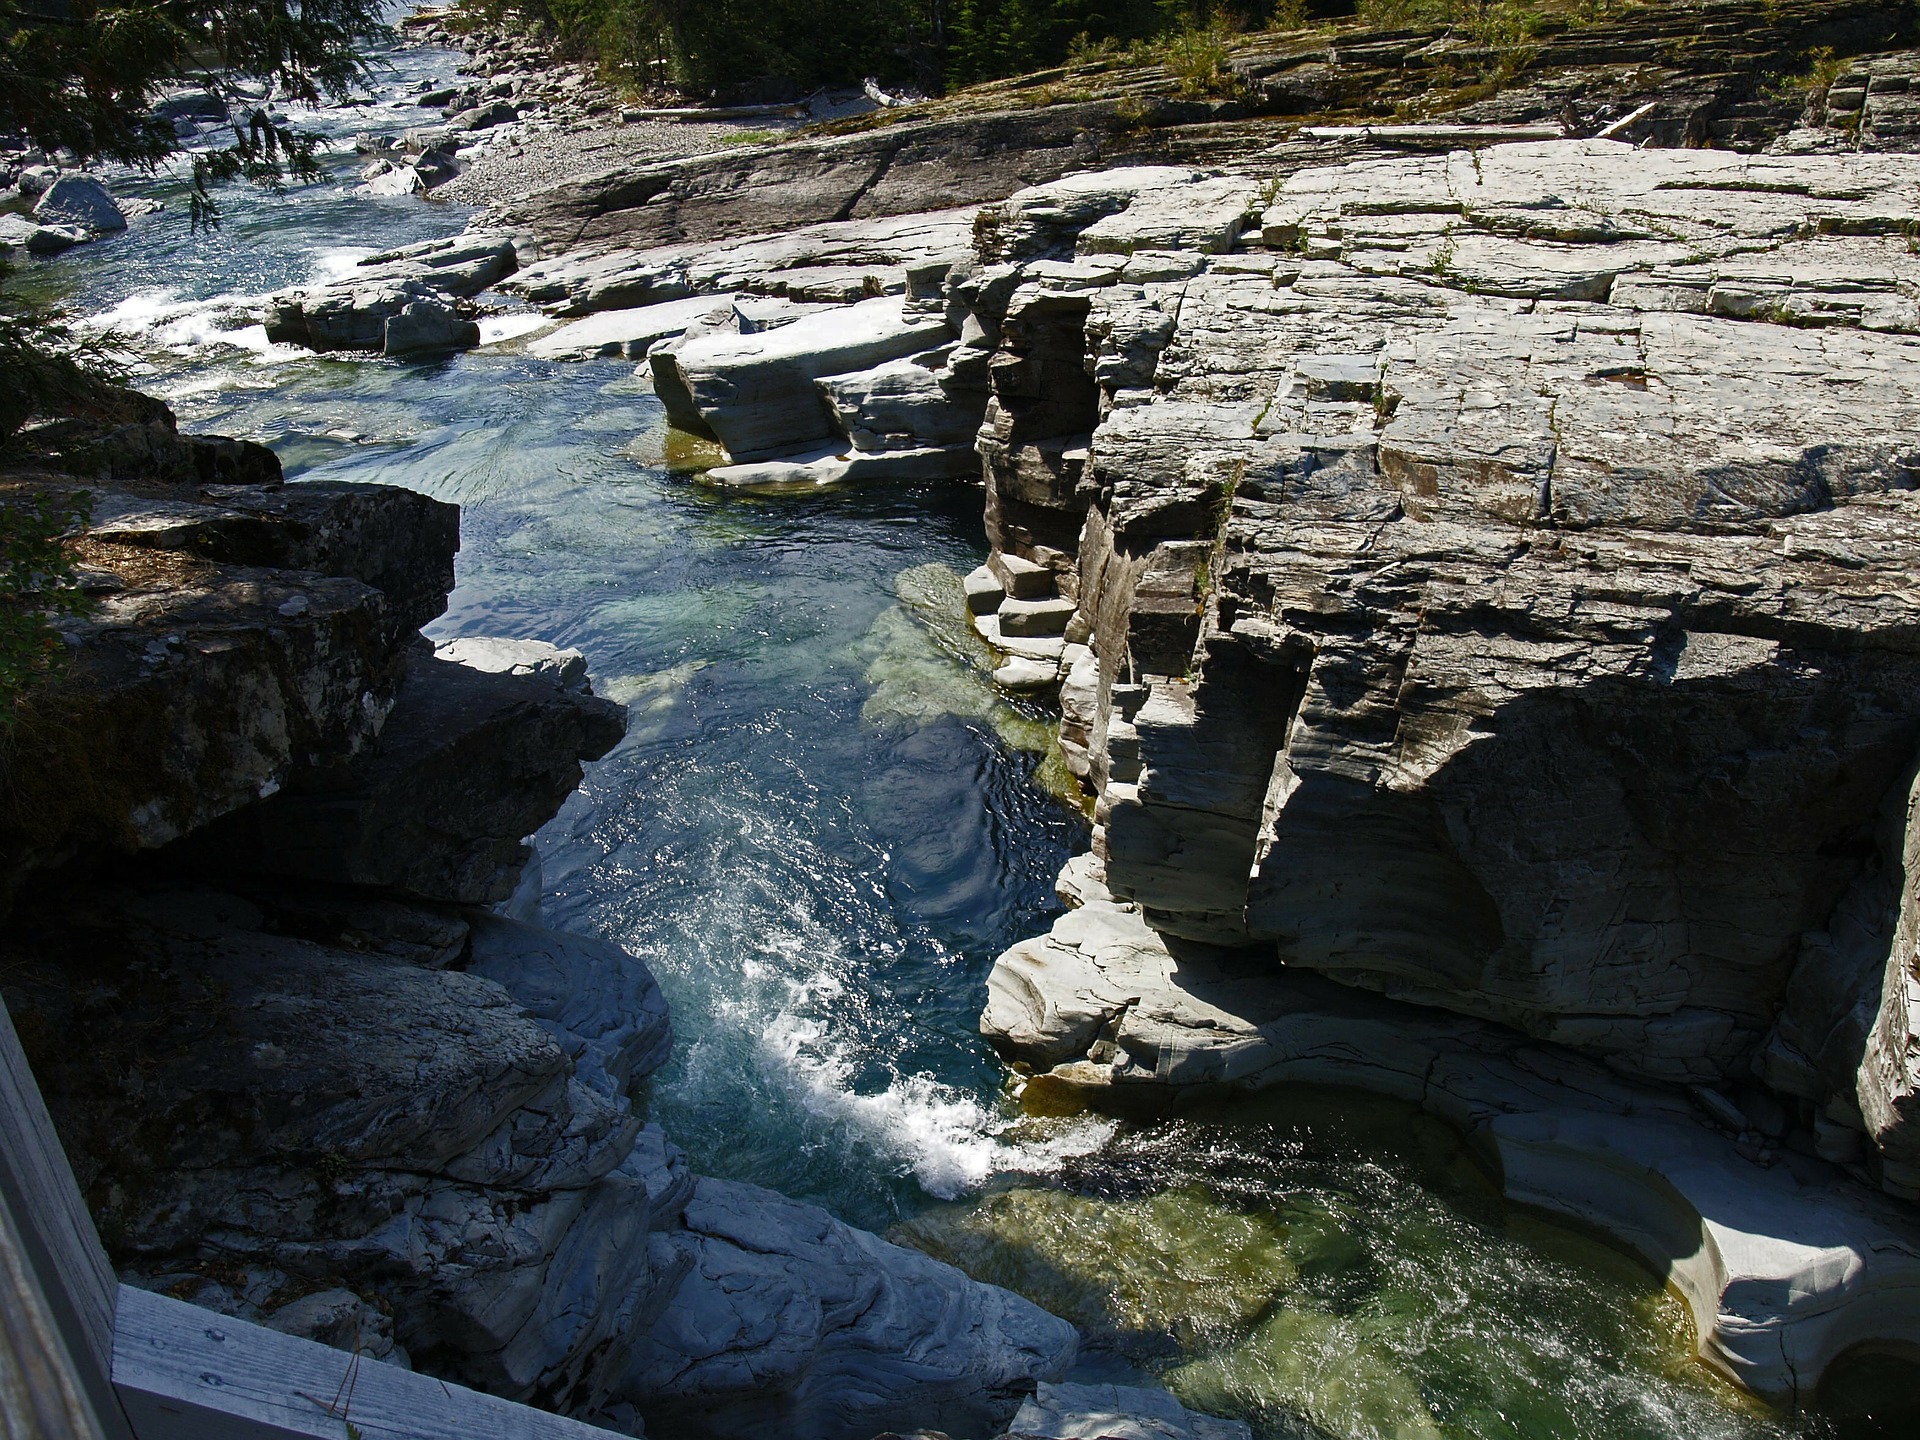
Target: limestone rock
x,y
905,168
839,261
564,669
626,333
983,590
396,180
903,404
812,470
1804,1261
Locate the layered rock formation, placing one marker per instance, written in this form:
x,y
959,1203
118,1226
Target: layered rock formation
x,y
1494,576
258,838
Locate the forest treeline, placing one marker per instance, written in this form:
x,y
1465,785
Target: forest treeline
x,y
763,47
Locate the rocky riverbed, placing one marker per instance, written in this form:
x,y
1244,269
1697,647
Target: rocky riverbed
x,y
1474,587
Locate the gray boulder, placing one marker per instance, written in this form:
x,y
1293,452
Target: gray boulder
x,y
82,201
397,302
627,333
483,117
395,180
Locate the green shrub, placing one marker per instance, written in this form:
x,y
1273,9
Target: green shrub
x,y
1197,60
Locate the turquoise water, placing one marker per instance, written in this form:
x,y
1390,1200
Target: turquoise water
x,y
822,827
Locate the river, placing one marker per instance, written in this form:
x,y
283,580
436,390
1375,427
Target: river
x,y
822,827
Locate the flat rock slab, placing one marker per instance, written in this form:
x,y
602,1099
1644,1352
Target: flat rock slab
x,y
850,467
756,393
628,334
839,262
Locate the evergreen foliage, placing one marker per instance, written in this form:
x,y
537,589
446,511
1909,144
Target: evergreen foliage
x,y
37,582
764,47
83,75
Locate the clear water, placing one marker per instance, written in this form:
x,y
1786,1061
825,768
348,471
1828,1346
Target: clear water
x,y
822,827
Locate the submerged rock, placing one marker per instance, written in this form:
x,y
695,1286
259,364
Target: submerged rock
x,y
1115,1412
1803,1261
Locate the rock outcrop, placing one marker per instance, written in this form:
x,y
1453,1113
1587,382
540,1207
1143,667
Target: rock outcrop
x,y
1488,580
399,302
257,842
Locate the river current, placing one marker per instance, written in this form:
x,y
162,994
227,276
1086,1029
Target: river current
x,y
822,827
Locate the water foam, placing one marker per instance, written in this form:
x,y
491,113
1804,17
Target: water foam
x,y
946,1138
160,319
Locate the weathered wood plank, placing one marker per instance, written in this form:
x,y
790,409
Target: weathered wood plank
x,y
41,1397
189,1374
56,1238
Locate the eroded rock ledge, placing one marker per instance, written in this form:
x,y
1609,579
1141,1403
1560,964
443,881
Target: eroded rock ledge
x,y
1493,574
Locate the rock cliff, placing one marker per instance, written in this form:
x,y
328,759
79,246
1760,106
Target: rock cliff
x,y
1494,575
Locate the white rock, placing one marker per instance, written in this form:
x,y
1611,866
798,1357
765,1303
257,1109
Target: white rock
x,y
626,333
566,669
396,180
983,590
1024,674
755,393
829,467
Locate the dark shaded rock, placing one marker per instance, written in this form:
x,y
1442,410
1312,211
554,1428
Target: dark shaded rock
x,y
190,691
468,764
398,541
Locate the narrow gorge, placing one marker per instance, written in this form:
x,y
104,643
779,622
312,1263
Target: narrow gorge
x,y
1085,759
